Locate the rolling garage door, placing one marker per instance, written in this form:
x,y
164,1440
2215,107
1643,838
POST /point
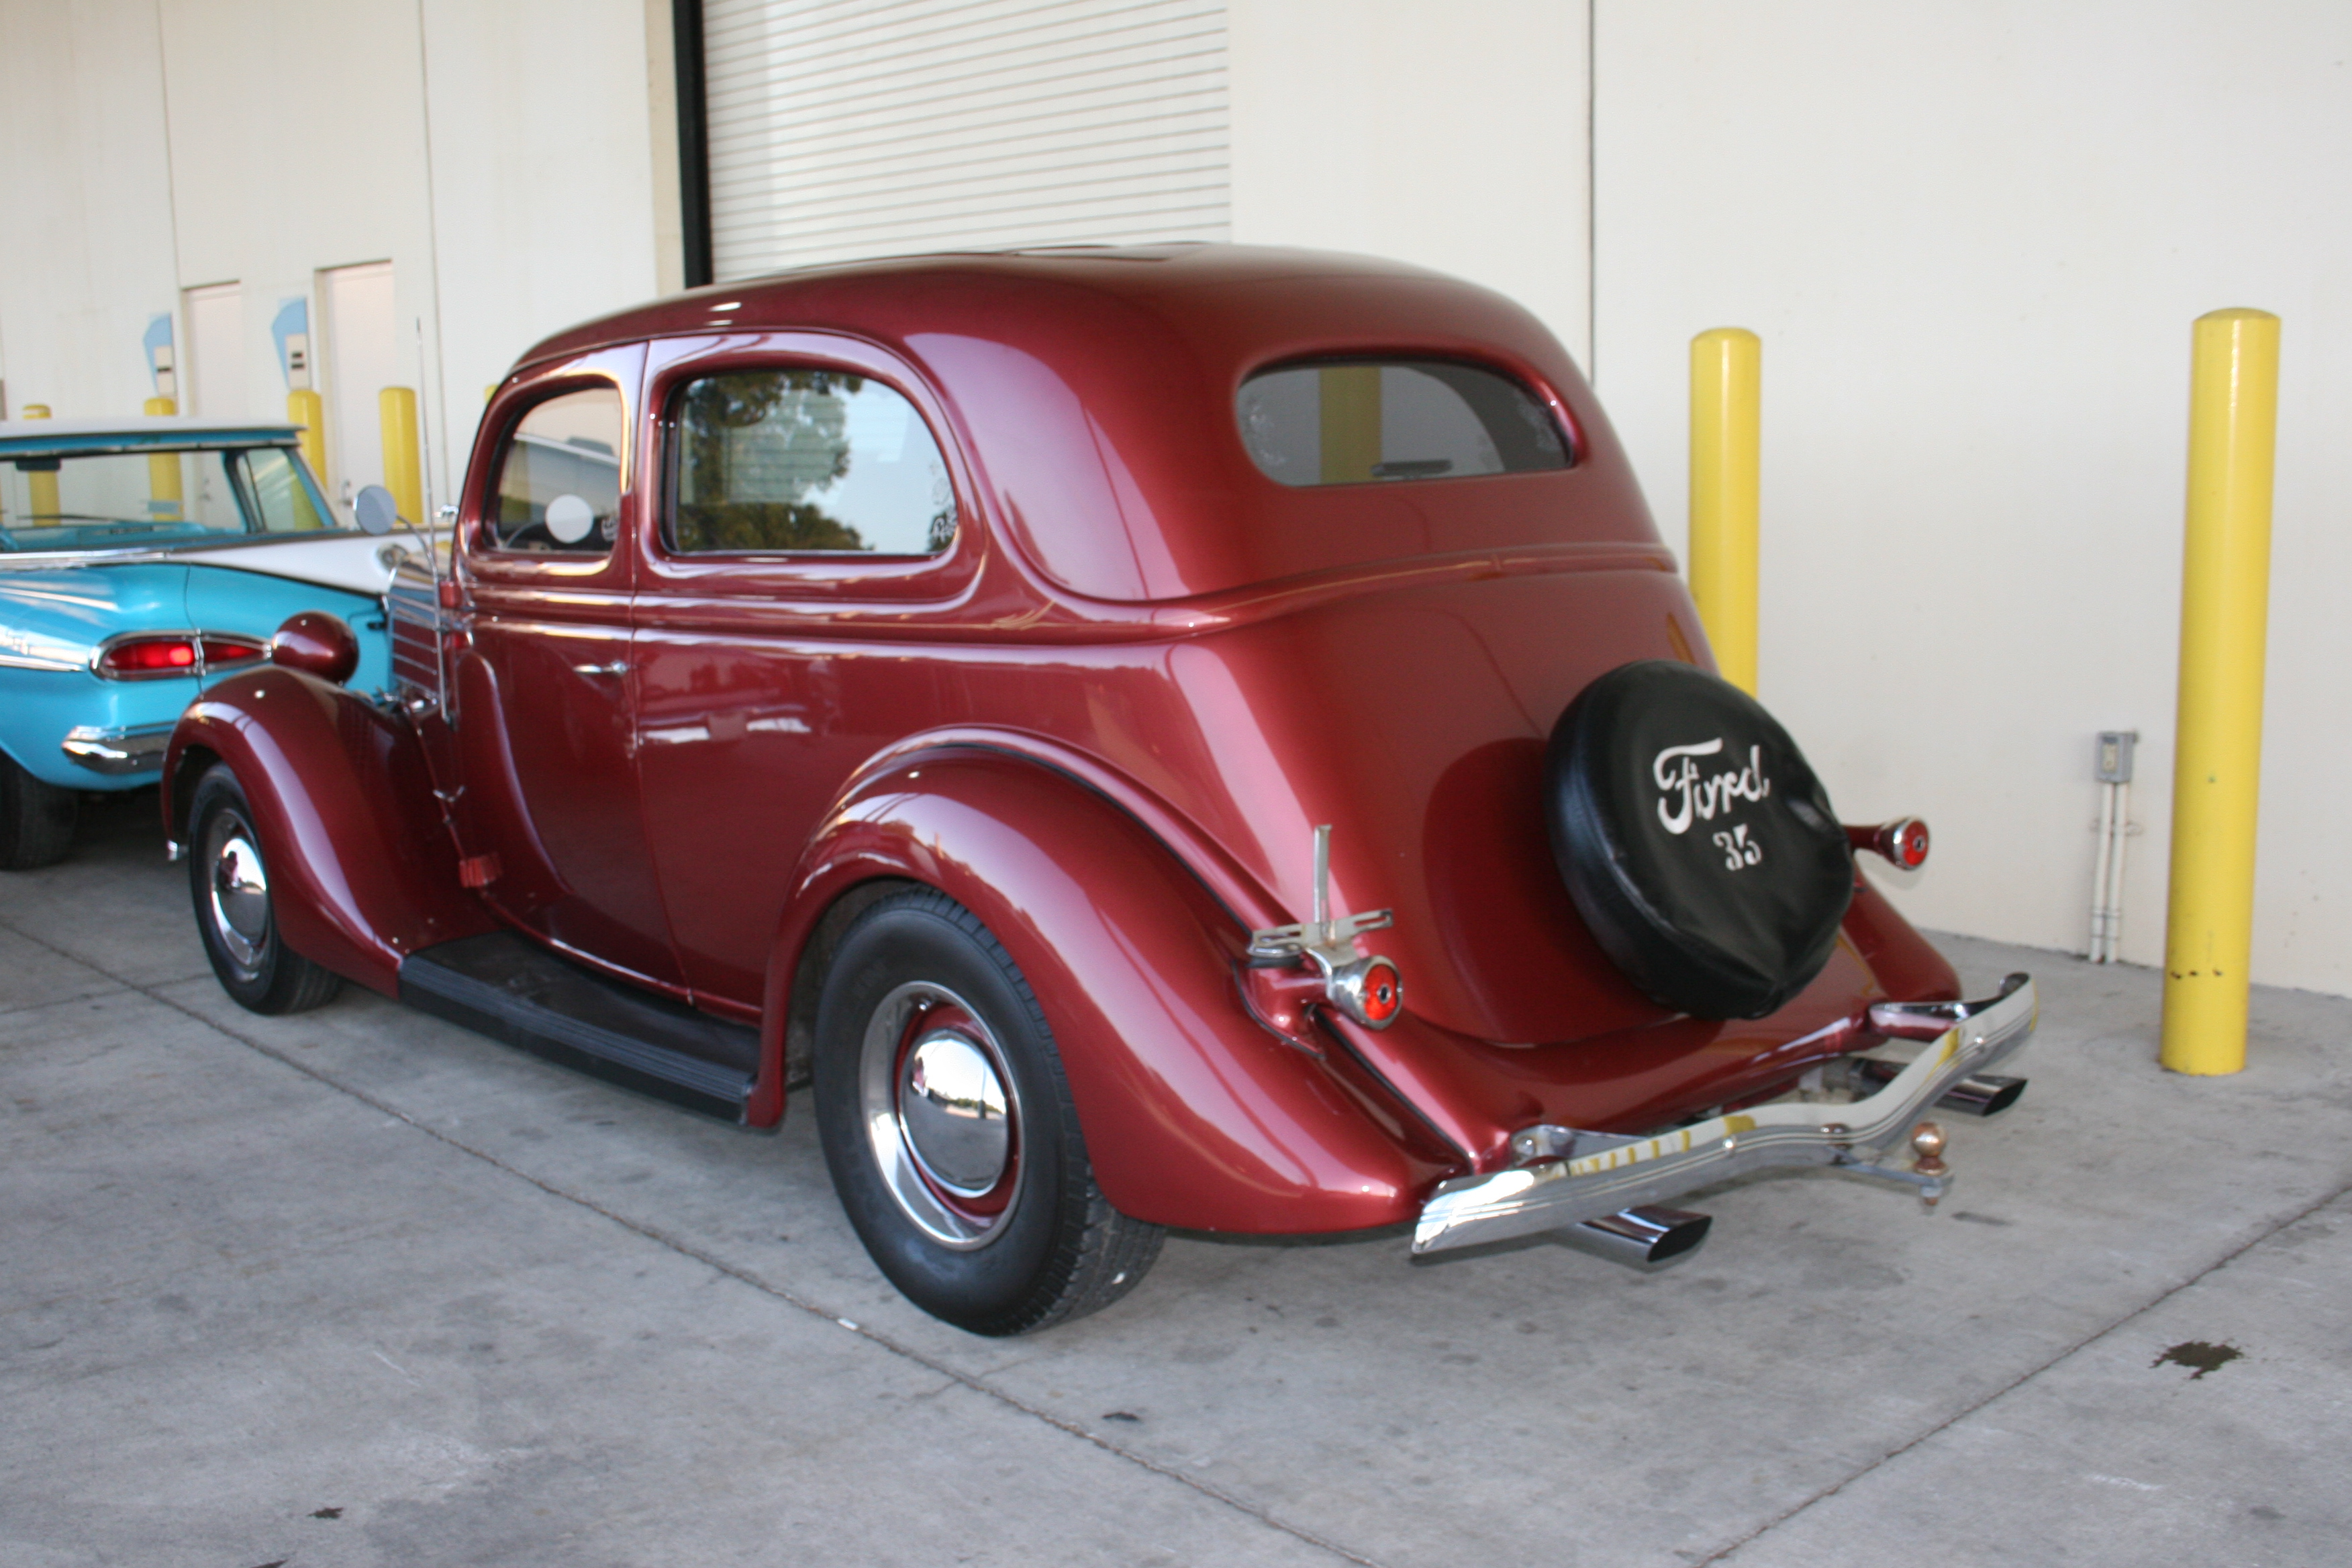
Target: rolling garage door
x,y
847,127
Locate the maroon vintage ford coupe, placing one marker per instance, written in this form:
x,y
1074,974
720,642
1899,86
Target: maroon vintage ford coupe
x,y
1008,696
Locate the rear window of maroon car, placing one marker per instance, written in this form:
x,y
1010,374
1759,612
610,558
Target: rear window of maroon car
x,y
797,461
560,478
1367,421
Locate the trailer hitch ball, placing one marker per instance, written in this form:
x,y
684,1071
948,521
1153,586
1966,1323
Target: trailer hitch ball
x,y
1927,1144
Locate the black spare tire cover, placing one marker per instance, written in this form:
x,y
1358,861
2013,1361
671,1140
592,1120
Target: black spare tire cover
x,y
1695,840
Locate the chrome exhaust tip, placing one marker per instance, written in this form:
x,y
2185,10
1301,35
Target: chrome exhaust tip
x,y
1987,1094
1640,1239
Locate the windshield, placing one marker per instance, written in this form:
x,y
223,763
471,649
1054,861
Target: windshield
x,y
138,501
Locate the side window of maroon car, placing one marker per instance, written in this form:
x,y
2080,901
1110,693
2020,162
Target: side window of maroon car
x,y
794,461
560,478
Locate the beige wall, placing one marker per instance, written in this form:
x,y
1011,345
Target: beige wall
x,y
84,204
1973,238
501,157
543,177
1449,135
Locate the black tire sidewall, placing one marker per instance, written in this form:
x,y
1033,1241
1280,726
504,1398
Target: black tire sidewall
x,y
37,818
993,1287
217,792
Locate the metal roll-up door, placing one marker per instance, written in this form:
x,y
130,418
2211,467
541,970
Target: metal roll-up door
x,y
846,128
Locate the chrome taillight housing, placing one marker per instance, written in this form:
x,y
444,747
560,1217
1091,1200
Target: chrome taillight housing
x,y
149,655
1368,991
1902,841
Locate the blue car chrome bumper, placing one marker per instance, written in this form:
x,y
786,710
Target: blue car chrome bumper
x,y
120,750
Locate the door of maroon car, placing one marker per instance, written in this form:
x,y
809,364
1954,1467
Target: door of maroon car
x,y
805,529
546,701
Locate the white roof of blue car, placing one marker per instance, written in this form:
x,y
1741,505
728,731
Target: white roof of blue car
x,y
20,437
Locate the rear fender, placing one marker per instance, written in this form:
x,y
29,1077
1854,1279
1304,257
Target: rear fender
x,y
1195,1115
360,869
1906,967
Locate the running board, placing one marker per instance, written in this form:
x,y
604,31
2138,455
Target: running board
x,y
515,991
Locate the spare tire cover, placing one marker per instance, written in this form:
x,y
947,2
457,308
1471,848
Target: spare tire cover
x,y
1695,840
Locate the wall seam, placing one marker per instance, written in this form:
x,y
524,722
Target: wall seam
x,y
1592,191
172,216
433,272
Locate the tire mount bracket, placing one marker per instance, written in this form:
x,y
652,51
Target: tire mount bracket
x,y
1291,969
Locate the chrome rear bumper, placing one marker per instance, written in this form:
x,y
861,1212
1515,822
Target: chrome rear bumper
x,y
135,748
1603,1175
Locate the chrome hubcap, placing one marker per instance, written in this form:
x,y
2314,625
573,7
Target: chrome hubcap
x,y
942,1115
239,904
951,1109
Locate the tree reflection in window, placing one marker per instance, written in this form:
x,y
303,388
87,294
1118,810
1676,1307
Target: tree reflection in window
x,y
805,461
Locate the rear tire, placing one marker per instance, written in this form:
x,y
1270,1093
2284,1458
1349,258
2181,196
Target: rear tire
x,y
36,819
234,910
950,1133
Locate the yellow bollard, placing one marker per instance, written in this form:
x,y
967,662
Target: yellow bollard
x,y
304,408
166,501
2224,610
41,507
308,409
404,474
1351,395
1727,381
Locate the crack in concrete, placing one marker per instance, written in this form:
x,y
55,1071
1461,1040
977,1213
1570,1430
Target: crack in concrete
x,y
742,1276
1724,1551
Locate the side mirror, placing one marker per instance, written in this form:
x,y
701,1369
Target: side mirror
x,y
317,643
377,512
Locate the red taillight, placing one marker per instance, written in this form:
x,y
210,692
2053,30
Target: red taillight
x,y
219,653
160,654
149,655
1902,841
1367,990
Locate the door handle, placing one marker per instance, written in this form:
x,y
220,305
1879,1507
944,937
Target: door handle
x,y
618,667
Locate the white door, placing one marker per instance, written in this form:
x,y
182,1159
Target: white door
x,y
361,351
211,382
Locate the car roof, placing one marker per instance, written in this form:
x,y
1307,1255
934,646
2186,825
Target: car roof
x,y
992,292
141,433
1096,385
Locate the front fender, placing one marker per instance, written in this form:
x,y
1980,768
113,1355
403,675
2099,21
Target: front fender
x,y
361,871
1195,1115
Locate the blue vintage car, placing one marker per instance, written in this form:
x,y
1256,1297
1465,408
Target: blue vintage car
x,y
139,560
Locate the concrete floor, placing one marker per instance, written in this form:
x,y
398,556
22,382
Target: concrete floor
x,y
362,1287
